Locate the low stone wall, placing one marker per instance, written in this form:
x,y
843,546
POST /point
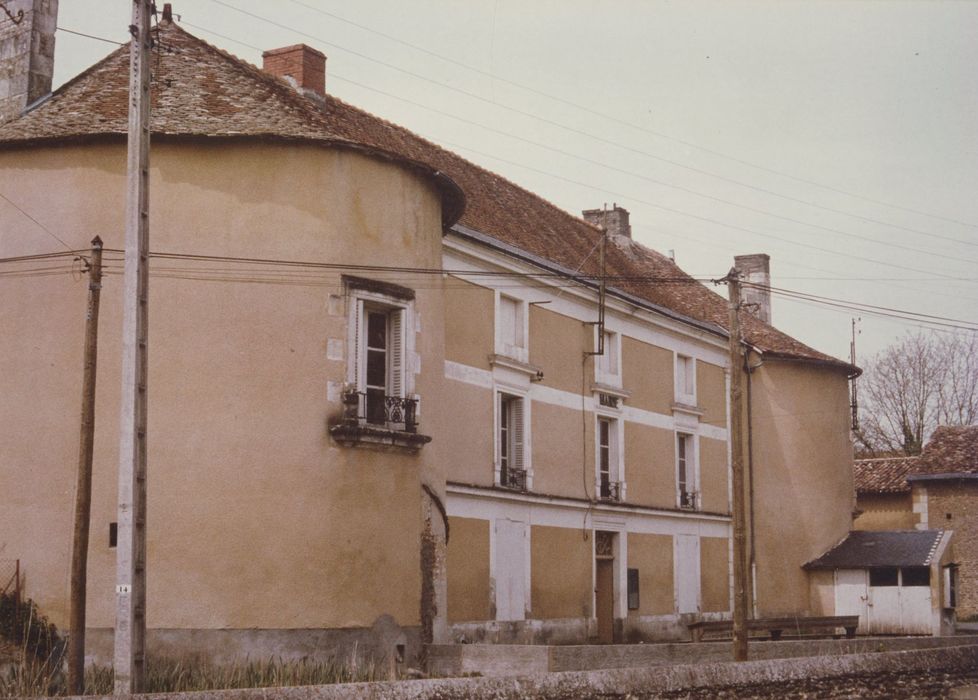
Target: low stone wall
x,y
517,660
382,642
619,683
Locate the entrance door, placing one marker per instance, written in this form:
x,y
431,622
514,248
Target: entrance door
x,y
604,599
852,595
510,565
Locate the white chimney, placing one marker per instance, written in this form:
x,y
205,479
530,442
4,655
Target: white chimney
x,y
614,220
756,270
26,53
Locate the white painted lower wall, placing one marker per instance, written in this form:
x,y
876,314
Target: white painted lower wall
x,y
511,516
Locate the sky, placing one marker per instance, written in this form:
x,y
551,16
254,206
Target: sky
x,y
840,138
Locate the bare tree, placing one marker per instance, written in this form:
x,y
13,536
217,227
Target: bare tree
x,y
911,387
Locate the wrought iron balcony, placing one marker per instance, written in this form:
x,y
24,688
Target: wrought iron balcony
x,y
512,478
375,408
687,500
373,417
610,490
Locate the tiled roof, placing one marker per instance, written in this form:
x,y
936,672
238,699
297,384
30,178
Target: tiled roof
x,y
885,475
950,451
202,91
864,549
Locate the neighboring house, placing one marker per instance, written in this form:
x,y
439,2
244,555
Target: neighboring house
x,y
945,495
937,489
883,500
376,412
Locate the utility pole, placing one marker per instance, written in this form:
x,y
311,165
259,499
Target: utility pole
x,y
130,624
83,491
737,451
854,397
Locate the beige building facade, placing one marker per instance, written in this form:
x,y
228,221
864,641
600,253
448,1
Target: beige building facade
x,y
383,410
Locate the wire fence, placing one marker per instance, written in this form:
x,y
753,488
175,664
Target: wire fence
x,y
11,579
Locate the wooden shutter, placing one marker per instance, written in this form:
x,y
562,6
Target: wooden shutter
x,y
357,346
517,431
396,349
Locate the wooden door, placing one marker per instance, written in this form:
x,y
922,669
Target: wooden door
x,y
604,599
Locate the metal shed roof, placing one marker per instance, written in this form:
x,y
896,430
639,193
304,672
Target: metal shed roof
x,y
868,550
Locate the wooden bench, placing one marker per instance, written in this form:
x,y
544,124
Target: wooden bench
x,y
776,625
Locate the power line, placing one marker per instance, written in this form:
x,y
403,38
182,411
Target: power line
x,y
673,210
637,127
662,183
581,132
41,256
90,36
680,212
38,223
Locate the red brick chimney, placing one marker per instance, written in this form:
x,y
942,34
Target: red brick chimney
x,y
301,65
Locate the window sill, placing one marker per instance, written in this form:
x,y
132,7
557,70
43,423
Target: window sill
x,y
690,408
535,373
365,435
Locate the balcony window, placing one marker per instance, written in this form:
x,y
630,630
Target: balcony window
x,y
609,469
686,471
511,441
377,400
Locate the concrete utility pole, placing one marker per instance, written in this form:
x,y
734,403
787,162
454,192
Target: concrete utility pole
x,y
130,624
83,492
737,451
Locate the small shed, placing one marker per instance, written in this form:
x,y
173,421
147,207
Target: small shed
x,y
896,581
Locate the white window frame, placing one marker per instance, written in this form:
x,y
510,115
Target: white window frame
x,y
401,368
684,376
500,393
616,462
612,355
518,351
692,464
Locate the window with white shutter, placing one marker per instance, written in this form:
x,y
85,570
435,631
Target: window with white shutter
x,y
511,441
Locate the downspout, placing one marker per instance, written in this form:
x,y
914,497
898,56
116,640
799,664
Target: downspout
x,y
752,568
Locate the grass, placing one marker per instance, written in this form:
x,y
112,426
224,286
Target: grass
x,y
31,678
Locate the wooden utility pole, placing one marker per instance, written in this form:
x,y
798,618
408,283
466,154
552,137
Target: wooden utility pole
x,y
130,624
737,450
83,491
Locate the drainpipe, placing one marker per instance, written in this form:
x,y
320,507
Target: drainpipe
x,y
752,568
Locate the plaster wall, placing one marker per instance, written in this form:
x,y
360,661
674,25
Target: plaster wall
x,y
650,465
715,574
652,556
711,393
714,472
561,562
647,372
557,346
558,451
802,476
469,310
255,518
469,594
889,511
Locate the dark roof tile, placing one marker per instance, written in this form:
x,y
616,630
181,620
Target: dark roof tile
x,y
863,549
